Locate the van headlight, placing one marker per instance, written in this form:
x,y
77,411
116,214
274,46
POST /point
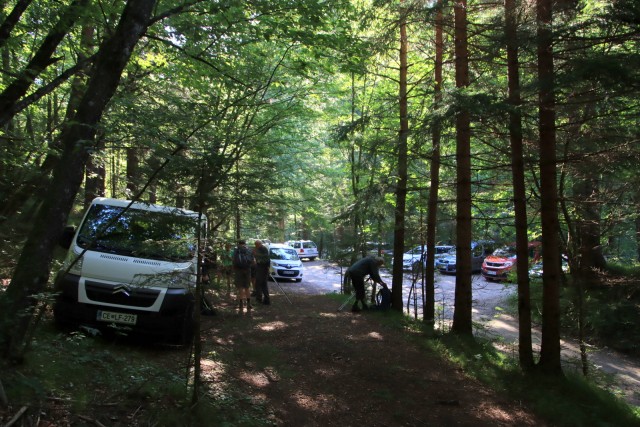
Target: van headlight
x,y
75,260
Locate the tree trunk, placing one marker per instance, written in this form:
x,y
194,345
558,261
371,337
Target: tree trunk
x,y
463,299
638,238
550,345
95,179
434,175
355,157
525,349
133,171
32,272
401,189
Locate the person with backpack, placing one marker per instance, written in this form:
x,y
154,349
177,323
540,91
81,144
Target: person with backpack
x,y
242,262
262,272
367,266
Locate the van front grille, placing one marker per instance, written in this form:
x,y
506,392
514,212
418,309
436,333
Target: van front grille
x,y
121,294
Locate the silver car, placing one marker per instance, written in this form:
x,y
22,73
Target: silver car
x,y
447,264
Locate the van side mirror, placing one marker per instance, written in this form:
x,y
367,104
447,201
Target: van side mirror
x,y
67,236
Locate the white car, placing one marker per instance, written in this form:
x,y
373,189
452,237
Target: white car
x,y
412,258
285,263
305,249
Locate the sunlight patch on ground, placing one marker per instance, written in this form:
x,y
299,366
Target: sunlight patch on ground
x,y
504,325
272,326
371,336
213,373
376,336
255,379
321,403
500,416
330,315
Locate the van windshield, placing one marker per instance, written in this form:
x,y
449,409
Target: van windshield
x,y
167,236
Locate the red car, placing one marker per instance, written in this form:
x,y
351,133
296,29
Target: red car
x,y
497,266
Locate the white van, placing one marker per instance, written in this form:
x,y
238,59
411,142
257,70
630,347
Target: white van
x,y
285,263
305,248
131,267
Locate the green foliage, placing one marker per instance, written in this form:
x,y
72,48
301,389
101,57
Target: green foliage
x,y
613,316
611,313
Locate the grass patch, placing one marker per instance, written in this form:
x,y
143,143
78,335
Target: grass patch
x,y
569,400
79,378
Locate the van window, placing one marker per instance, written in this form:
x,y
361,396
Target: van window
x,y
165,236
308,245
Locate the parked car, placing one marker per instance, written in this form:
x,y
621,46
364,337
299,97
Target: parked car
x,y
479,251
412,258
498,265
383,248
285,263
535,272
305,248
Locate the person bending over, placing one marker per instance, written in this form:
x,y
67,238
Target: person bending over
x,y
367,266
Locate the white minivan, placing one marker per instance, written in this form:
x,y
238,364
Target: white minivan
x,y
131,267
285,263
305,248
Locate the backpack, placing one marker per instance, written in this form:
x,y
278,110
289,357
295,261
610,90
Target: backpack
x,y
383,299
242,258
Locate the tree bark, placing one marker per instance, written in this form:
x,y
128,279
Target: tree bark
x,y
434,175
550,343
133,171
401,187
462,323
525,350
32,271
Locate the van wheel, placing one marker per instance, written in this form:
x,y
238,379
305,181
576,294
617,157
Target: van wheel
x,y
298,280
186,333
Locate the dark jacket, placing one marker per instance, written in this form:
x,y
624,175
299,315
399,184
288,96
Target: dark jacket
x,y
366,266
262,255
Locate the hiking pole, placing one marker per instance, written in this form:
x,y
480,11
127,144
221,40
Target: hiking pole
x,y
285,294
344,304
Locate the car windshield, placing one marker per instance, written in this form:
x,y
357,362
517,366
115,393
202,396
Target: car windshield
x,y
505,252
283,254
169,235
308,245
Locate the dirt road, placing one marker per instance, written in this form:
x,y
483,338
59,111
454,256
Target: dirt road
x,y
321,277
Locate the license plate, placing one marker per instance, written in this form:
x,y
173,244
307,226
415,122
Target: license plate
x,y
111,316
288,273
491,273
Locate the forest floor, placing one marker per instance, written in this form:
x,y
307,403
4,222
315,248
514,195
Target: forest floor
x,y
309,364
297,362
